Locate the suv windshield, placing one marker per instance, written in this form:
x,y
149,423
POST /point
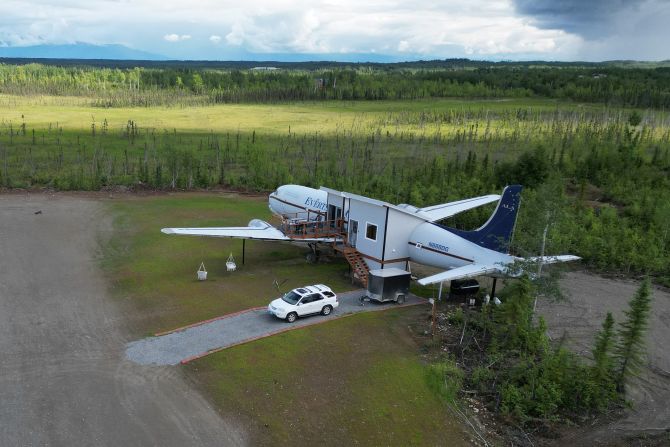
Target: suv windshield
x,y
291,297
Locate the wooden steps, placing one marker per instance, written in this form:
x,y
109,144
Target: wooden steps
x,y
359,268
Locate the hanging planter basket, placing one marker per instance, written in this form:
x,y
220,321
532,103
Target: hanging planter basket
x,y
230,264
202,272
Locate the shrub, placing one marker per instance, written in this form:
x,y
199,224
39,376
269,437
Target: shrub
x,y
445,379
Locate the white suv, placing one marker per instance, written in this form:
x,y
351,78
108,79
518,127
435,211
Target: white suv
x,y
304,301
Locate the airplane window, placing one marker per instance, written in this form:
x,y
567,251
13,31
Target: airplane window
x,y
371,232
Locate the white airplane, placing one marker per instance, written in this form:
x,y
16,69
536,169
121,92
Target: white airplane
x,y
308,217
296,203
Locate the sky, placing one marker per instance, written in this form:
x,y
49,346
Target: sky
x,y
591,30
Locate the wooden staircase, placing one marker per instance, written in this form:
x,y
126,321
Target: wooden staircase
x,y
359,268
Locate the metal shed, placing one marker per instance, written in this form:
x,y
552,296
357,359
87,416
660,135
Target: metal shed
x,y
390,284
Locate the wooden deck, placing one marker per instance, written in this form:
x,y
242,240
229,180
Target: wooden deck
x,y
302,229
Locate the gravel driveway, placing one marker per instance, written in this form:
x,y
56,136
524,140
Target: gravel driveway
x,y
184,345
64,380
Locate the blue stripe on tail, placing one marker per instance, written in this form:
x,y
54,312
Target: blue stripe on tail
x,y
496,233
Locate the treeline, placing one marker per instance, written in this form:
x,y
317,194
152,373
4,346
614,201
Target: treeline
x,y
111,87
448,64
600,182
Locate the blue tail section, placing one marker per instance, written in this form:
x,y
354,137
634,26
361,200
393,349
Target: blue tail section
x,y
496,233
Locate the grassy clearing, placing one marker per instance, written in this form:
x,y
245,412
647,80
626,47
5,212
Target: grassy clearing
x,y
356,380
364,147
73,113
155,273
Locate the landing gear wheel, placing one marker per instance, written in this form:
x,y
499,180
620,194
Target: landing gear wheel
x,y
291,317
400,299
326,310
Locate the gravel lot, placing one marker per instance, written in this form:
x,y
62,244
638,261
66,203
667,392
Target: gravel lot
x,y
172,348
581,316
64,380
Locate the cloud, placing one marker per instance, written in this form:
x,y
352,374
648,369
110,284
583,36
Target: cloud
x,y
509,29
424,29
589,18
176,37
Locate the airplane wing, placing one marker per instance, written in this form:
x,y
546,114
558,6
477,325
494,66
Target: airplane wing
x,y
257,229
467,271
262,233
475,269
552,259
444,210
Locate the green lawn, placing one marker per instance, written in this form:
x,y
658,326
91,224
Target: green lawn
x,y
359,380
157,273
353,381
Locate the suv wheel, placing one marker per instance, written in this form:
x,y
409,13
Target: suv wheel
x,y
291,317
326,310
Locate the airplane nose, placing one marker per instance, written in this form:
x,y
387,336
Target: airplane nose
x,y
273,203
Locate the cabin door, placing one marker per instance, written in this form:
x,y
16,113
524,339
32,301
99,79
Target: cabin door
x,y
334,215
353,232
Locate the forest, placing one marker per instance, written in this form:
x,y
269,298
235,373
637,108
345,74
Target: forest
x,y
610,84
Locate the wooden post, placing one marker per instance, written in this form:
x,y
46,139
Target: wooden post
x,y
539,264
432,325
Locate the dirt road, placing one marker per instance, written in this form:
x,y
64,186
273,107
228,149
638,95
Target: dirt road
x,y
581,316
64,380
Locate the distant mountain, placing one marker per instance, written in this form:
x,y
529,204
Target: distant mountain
x,y
322,57
79,51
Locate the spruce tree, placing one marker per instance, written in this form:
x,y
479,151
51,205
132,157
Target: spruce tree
x,y
603,368
630,350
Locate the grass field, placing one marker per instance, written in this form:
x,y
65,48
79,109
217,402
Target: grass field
x,y
75,113
157,273
358,380
354,381
64,143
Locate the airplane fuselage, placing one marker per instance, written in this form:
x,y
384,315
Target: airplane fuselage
x,y
433,245
299,202
430,244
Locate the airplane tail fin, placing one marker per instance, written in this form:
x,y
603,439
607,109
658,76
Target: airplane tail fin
x,y
496,233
